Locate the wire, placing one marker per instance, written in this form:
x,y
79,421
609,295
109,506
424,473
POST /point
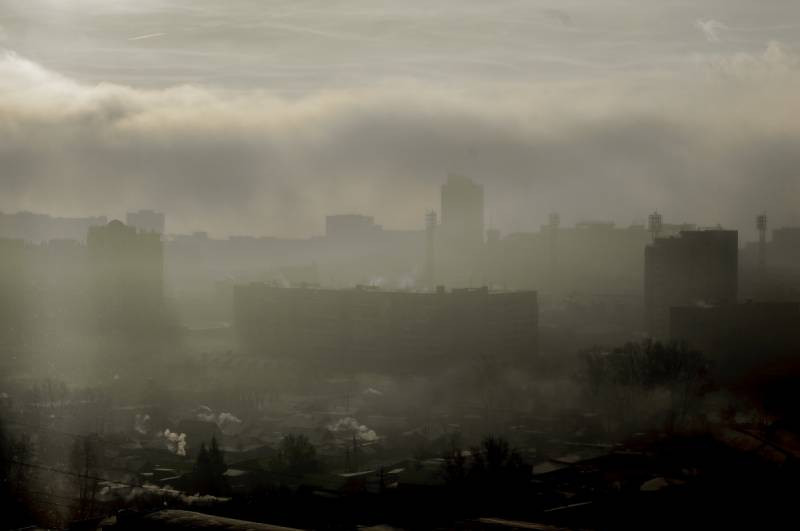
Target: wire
x,y
87,476
53,430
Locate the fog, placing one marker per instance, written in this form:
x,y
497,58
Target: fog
x,y
228,153
374,265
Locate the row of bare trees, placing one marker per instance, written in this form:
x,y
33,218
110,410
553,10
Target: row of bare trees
x,y
642,383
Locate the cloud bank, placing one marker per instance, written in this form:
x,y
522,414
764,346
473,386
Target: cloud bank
x,y
715,142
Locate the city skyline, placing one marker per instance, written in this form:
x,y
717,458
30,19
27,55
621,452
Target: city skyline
x,y
381,265
749,232
266,114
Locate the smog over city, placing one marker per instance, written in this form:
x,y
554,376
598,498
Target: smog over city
x,y
360,264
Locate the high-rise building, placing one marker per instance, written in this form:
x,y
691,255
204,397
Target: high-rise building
x,y
127,269
462,214
146,220
694,268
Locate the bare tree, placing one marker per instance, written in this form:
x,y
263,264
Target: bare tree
x,y
622,381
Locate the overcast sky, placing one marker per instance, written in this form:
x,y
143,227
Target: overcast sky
x,y
260,117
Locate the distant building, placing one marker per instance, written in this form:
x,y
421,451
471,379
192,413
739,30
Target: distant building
x,y
593,257
351,227
784,250
146,220
769,271
40,228
738,336
15,294
386,330
63,279
694,268
127,273
460,249
462,214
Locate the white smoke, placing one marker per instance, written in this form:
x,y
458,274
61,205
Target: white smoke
x,y
176,443
141,422
351,425
206,414
223,419
227,419
109,488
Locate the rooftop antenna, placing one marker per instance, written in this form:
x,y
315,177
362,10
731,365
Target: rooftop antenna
x,y
655,223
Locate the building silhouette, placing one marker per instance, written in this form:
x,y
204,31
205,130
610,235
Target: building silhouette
x,y
146,220
127,271
784,249
694,268
39,228
16,290
462,214
460,246
769,269
351,228
386,330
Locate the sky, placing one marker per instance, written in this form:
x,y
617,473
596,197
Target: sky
x,y
261,117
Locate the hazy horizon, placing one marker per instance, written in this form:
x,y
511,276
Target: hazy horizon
x,y
433,375
262,117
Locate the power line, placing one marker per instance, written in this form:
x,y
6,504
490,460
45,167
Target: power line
x,y
87,476
94,437
53,430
